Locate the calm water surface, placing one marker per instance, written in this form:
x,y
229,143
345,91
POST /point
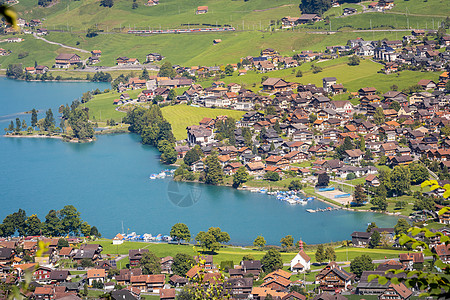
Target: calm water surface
x,y
107,181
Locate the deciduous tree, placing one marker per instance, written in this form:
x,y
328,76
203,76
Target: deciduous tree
x,y
271,261
240,177
180,232
259,242
360,264
287,241
150,263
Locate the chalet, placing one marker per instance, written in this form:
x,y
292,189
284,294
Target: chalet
x,y
443,251
154,57
206,261
367,91
308,18
360,238
277,161
136,256
337,89
178,281
59,276
366,287
289,21
42,274
167,294
255,168
125,275
239,288
65,60
201,10
342,106
396,292
372,180
305,136
148,283
43,292
353,156
268,52
427,84
274,85
121,61
401,160
333,277
251,267
410,261
250,118
277,283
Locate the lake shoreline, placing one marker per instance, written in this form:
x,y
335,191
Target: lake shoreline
x,y
249,189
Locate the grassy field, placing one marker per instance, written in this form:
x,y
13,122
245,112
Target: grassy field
x,y
198,49
168,13
421,7
38,51
181,116
235,253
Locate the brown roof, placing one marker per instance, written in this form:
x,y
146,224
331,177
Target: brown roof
x,y
40,290
371,177
304,255
193,271
402,290
167,293
442,250
96,273
65,251
416,257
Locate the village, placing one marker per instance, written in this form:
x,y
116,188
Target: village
x,y
70,268
363,149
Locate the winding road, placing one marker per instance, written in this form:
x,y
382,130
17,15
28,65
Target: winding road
x,y
59,44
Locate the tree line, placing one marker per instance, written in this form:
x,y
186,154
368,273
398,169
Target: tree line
x,y
66,221
154,130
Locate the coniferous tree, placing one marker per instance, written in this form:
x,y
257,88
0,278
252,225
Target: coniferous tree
x,y
320,253
214,172
359,195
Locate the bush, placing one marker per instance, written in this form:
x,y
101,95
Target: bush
x,y
351,176
226,265
22,55
272,176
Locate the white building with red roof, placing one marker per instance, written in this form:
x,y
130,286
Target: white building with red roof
x,y
301,262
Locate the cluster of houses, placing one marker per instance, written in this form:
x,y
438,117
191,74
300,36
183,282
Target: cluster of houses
x,y
126,61
18,258
407,133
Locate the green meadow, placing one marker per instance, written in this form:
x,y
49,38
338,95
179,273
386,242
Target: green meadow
x,y
421,7
235,254
37,50
198,48
181,116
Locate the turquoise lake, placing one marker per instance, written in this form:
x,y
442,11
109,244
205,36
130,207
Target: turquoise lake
x,y
108,182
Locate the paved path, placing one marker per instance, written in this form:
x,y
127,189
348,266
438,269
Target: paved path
x,y
59,44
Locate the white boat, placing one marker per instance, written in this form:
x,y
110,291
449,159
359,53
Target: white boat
x,y
161,175
153,176
292,201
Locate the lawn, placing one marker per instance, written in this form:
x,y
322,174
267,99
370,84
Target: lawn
x,y
181,116
236,253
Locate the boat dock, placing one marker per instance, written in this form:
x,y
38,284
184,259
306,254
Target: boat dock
x,y
322,209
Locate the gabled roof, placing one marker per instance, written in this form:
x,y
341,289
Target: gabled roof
x,y
96,273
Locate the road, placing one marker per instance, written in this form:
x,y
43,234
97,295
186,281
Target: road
x,y
59,44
